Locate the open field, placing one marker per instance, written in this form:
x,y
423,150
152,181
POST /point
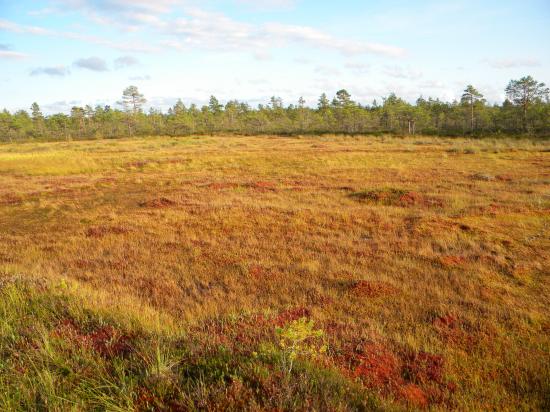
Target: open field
x,y
173,273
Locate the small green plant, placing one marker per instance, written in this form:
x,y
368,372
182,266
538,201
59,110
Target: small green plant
x,y
299,338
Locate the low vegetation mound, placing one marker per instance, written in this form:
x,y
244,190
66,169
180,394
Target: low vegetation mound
x,y
159,203
396,197
372,289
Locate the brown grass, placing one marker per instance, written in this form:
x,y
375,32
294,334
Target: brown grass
x,y
431,286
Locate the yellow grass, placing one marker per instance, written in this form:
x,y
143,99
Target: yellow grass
x,y
172,232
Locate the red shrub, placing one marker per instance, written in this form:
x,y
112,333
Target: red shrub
x,y
423,367
416,378
414,396
378,367
372,289
159,203
453,260
256,271
222,185
262,186
107,341
290,315
450,329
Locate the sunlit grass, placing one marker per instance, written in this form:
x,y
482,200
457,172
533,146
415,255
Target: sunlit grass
x,y
196,247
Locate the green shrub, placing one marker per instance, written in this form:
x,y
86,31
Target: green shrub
x,y
299,338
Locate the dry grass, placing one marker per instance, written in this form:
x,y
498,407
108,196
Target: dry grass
x,y
424,261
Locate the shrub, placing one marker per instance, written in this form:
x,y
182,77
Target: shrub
x,y
299,338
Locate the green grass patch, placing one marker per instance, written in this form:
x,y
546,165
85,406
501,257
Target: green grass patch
x,y
55,355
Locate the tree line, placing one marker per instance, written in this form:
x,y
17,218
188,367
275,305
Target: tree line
x,y
526,110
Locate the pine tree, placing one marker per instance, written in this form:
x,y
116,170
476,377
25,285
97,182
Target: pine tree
x,y
323,105
214,105
470,97
524,92
132,100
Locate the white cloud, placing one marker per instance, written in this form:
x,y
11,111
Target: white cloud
x,y
9,54
127,14
215,31
399,72
268,4
140,78
512,63
257,82
118,45
432,84
61,106
125,61
123,6
302,60
60,71
95,64
327,70
17,28
204,29
358,68
43,12
320,39
39,31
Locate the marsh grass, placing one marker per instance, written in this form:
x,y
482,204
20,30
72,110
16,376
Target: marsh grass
x,y
141,274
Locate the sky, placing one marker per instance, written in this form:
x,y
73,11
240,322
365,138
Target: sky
x,y
62,53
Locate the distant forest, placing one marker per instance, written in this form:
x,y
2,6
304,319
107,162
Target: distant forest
x,y
526,110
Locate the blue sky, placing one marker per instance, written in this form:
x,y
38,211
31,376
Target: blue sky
x,y
62,53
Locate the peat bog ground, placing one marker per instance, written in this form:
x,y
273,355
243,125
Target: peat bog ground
x,y
271,273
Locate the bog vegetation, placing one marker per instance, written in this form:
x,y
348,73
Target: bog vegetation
x,y
274,273
525,111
